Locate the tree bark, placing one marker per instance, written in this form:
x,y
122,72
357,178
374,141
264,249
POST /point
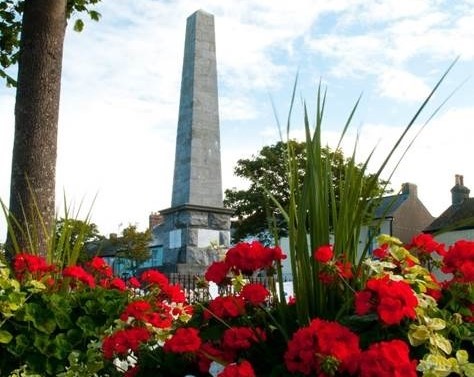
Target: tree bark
x,y
33,176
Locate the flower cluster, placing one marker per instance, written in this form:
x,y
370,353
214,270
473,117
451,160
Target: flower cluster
x,y
59,314
323,348
389,324
392,300
152,317
246,258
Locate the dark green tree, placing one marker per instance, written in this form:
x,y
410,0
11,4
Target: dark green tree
x,y
267,173
32,35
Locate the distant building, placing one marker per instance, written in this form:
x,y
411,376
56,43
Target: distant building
x,y
402,215
457,221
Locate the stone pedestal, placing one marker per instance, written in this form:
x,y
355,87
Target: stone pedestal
x,y
194,236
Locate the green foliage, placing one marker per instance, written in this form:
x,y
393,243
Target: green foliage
x,y
268,176
49,332
11,12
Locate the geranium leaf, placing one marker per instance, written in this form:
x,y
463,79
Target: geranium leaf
x,y
5,337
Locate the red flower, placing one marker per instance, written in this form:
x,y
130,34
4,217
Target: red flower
x,y
277,253
208,353
184,340
136,309
242,369
101,266
254,293
344,269
387,359
123,341
174,293
78,273
381,252
312,347
161,320
133,282
250,257
225,307
323,254
217,272
237,338
154,277
118,283
425,243
393,300
32,264
459,261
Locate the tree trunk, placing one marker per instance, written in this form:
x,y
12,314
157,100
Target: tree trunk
x,y
33,177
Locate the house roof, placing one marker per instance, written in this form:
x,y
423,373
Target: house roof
x,y
389,204
457,216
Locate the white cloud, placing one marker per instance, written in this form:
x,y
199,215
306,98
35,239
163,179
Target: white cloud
x,y
402,85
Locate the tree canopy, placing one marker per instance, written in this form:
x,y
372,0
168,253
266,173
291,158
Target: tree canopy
x,y
267,173
11,12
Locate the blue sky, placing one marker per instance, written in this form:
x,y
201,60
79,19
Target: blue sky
x,y
121,80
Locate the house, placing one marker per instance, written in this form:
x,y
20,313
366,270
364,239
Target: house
x,y
402,215
457,221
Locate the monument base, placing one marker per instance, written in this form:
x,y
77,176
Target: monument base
x,y
195,236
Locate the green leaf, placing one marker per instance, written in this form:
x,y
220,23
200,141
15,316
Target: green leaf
x,y
62,347
5,337
41,317
87,325
79,25
94,15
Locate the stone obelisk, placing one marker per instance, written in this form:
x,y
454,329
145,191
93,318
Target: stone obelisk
x,y
197,217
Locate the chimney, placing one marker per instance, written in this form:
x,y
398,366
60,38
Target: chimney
x,y
410,189
459,192
154,219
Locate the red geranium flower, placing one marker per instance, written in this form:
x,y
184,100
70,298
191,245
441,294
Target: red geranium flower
x,y
154,277
323,254
242,369
133,282
30,264
122,342
425,243
250,257
237,338
174,293
137,309
217,272
78,273
184,340
459,261
393,300
311,347
381,252
254,293
118,283
387,359
225,307
208,352
101,266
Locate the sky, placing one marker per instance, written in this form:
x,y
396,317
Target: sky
x,y
121,81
